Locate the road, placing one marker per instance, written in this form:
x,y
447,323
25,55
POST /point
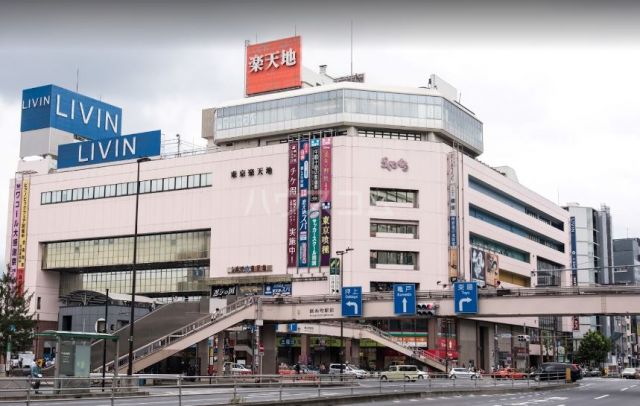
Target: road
x,y
591,391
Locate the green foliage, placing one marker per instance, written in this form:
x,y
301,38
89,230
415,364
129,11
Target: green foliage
x,y
16,322
593,348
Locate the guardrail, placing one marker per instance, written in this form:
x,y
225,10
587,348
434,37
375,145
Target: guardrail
x,y
249,388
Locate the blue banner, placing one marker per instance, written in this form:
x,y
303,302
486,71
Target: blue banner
x,y
109,150
55,107
277,289
304,165
303,229
453,231
574,256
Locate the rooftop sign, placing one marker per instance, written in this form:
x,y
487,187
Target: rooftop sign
x,y
109,150
54,107
273,65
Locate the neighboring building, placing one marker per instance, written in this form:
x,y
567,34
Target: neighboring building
x,y
595,261
626,258
392,172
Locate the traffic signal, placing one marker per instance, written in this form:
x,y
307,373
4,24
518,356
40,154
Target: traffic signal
x,y
523,338
426,309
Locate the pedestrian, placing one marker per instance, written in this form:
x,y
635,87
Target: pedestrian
x,y
297,369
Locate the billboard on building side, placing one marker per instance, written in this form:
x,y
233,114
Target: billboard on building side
x,y
15,229
574,255
22,244
292,211
303,203
478,266
54,107
273,65
314,177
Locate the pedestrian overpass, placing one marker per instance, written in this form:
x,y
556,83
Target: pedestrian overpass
x,y
532,302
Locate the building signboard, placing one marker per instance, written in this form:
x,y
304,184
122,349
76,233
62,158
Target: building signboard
x,y
334,276
325,198
54,107
574,256
453,231
303,211
22,244
15,229
325,170
478,270
314,234
277,289
452,204
314,181
273,65
292,211
123,148
223,291
325,234
492,269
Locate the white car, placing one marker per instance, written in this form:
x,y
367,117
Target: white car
x,y
629,373
456,373
348,370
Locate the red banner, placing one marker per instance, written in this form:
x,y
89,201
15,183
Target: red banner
x,y
292,210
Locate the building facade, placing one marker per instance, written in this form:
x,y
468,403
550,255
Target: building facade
x,y
390,172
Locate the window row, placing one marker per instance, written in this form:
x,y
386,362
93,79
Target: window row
x,y
378,259
390,135
457,121
127,188
393,196
512,227
499,248
152,282
487,190
393,228
153,248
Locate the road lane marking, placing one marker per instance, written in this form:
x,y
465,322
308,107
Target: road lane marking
x,y
601,397
623,389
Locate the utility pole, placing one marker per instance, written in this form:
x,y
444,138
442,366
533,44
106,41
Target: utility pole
x,y
342,348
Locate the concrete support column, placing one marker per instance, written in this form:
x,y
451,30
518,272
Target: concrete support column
x,y
354,352
432,333
304,350
431,137
269,360
220,354
467,342
203,355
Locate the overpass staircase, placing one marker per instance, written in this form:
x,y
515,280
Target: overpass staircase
x,y
360,331
187,335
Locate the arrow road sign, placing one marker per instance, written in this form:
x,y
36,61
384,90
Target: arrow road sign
x,y
352,301
465,297
404,298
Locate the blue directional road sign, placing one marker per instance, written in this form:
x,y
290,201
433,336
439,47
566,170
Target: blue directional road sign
x,y
404,298
465,297
352,301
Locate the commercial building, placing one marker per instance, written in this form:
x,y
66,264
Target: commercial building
x,y
287,179
626,259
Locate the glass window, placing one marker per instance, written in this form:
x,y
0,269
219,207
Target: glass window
x,y
77,194
145,186
206,179
156,185
45,198
110,191
131,188
98,192
121,189
87,193
66,195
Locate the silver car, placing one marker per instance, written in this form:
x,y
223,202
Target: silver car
x,y
456,373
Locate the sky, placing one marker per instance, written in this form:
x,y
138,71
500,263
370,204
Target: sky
x,y
555,83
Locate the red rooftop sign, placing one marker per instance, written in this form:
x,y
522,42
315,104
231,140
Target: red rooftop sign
x,y
273,65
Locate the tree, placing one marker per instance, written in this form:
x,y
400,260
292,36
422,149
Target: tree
x,y
593,348
16,321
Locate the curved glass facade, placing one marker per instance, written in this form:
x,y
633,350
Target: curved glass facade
x,y
420,111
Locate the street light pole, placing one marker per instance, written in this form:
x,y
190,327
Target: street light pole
x,y
133,270
342,348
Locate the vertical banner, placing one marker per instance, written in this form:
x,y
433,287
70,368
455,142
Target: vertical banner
x,y
325,234
325,198
492,265
325,170
303,212
314,182
334,276
15,229
292,211
574,257
452,205
22,244
314,234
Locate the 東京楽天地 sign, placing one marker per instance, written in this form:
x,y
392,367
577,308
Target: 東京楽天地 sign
x,y
109,150
54,107
273,65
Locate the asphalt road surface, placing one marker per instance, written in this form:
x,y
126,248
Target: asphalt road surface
x,y
591,391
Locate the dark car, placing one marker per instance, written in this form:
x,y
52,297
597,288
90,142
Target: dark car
x,y
556,371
